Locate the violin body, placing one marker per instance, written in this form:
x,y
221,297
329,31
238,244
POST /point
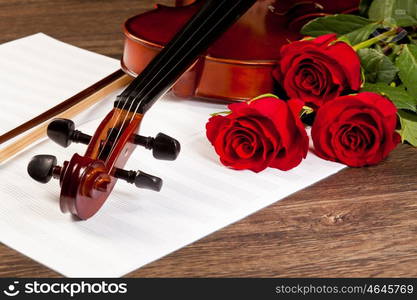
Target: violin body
x,y
238,65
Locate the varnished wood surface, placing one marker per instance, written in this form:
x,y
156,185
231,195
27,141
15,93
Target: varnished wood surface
x,y
359,222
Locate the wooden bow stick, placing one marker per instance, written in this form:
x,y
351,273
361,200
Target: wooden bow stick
x,y
66,109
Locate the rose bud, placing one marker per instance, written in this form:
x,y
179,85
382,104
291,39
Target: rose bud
x,y
356,130
261,133
318,70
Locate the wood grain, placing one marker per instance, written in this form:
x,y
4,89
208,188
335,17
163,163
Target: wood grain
x,y
359,222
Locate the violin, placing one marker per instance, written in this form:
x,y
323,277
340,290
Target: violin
x,y
87,180
238,65
215,49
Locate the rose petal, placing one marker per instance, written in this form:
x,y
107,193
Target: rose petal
x,y
357,130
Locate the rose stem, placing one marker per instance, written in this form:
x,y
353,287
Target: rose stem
x,y
376,39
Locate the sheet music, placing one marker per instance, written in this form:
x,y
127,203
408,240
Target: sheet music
x,y
134,227
39,72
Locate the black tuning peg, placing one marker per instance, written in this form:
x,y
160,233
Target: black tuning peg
x,y
62,132
43,167
140,179
163,146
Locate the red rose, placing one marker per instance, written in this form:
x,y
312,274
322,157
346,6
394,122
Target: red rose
x,y
357,130
262,133
318,70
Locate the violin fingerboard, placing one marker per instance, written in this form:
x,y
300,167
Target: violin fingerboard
x,y
213,19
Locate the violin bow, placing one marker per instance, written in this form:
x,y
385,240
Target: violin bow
x,y
66,109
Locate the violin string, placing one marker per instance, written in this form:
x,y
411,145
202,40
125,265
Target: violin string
x,y
169,60
191,49
125,104
155,76
150,81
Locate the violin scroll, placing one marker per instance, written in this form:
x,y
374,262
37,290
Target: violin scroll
x,y
86,181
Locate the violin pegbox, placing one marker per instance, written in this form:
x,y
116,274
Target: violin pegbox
x,y
86,181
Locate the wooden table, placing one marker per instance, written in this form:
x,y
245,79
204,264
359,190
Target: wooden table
x,y
359,222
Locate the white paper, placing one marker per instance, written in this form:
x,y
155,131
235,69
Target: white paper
x,y
39,72
134,227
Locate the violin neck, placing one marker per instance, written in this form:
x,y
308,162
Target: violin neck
x,y
214,18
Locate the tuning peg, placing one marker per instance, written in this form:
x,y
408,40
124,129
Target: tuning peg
x,y
43,167
62,132
140,179
163,146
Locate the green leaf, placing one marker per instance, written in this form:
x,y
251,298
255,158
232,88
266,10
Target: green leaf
x,y
394,12
364,7
407,64
262,96
395,50
362,34
381,10
343,38
398,95
339,24
408,129
353,28
377,67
